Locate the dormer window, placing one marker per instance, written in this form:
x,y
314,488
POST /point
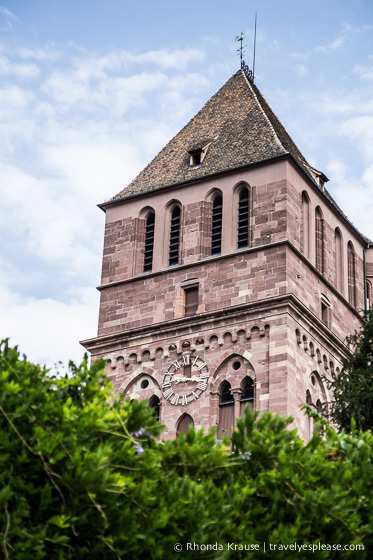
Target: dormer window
x,y
195,157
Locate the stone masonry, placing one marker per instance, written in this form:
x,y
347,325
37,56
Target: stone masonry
x,y
271,311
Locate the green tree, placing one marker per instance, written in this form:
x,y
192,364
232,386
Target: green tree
x,y
353,387
83,476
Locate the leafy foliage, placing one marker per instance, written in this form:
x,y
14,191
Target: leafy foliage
x,y
353,387
83,475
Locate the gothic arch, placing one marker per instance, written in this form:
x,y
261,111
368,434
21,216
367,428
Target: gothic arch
x,y
317,389
144,212
212,193
137,375
239,352
184,423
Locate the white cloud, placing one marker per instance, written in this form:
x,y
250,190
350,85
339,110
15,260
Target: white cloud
x,y
22,71
365,72
301,70
7,19
361,128
48,330
41,54
166,59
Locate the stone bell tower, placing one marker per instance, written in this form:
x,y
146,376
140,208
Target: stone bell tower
x,y
230,276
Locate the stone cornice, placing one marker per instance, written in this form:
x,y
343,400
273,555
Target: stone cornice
x,y
183,326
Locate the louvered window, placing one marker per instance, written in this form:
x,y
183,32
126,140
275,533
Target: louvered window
x,y
247,397
217,218
243,219
319,240
226,411
174,236
149,242
351,274
191,301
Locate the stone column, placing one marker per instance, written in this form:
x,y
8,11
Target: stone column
x,y
237,394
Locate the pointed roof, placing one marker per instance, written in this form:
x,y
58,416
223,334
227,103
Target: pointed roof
x,y
235,128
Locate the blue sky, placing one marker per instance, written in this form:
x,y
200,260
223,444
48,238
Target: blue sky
x,y
91,90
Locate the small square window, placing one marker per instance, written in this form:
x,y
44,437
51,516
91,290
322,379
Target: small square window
x,y
326,314
191,300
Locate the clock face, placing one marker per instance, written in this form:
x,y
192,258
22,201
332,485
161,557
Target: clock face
x,y
185,380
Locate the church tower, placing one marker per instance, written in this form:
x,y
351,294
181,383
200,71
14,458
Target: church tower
x,y
230,276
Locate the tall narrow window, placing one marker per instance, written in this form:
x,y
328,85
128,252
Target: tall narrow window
x,y
247,397
191,300
305,244
217,218
351,274
338,260
174,236
155,405
319,240
149,242
226,411
243,218
184,422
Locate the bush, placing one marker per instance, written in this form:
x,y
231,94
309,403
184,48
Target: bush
x,y
352,389
82,475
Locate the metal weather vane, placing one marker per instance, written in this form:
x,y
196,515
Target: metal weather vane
x,y
249,73
241,49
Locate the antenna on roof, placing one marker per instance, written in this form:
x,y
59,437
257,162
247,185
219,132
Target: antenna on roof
x,y
254,49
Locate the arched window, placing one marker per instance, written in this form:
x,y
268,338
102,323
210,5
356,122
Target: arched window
x,y
369,294
351,258
319,406
154,403
247,397
183,424
226,411
338,260
149,242
305,244
217,220
173,257
319,239
243,219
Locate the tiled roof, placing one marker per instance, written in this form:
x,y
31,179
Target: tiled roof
x,y
237,126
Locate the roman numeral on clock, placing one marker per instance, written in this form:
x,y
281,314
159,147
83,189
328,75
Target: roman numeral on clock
x,y
168,393
175,399
202,366
201,386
